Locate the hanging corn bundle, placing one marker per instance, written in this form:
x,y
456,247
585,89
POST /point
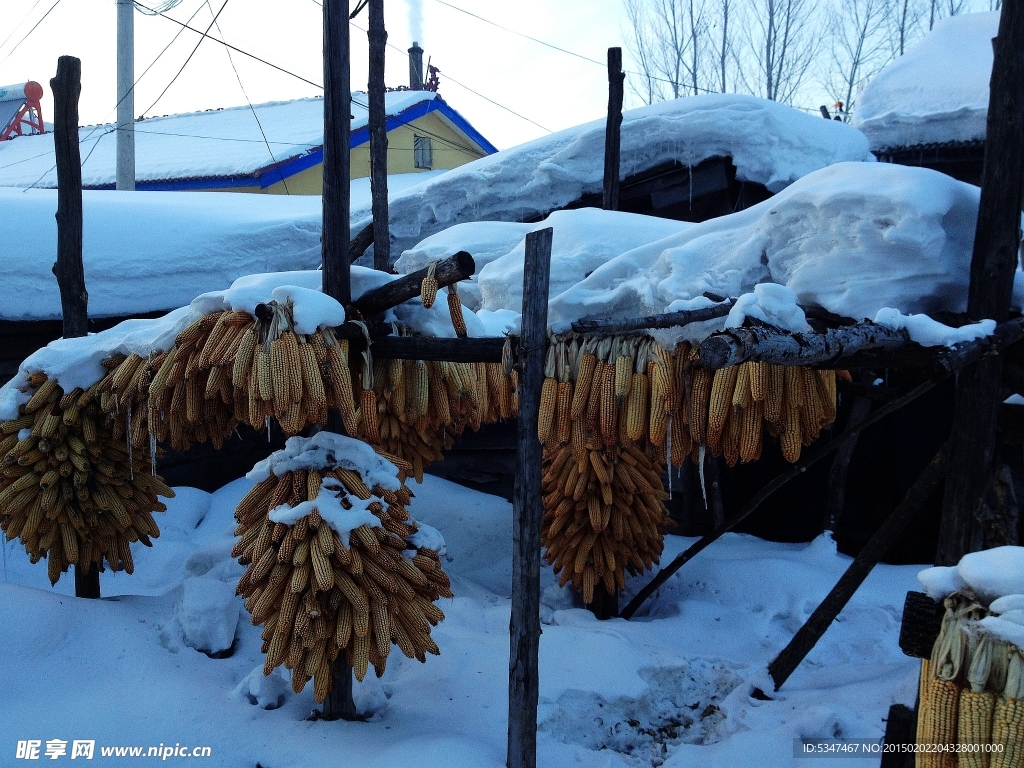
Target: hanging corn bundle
x,y
604,514
71,487
971,694
331,565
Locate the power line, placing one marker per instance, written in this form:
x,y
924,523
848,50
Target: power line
x,y
18,25
232,47
247,101
173,79
23,39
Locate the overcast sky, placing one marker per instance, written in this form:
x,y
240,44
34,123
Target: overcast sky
x,y
553,89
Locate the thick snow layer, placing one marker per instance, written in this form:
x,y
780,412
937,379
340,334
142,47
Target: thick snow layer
x,y
327,449
994,572
852,238
671,685
1008,631
769,303
328,505
937,91
931,333
311,308
582,240
150,251
208,614
214,144
769,143
941,580
1007,603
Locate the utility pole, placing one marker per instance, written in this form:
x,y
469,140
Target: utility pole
x,y
378,139
126,94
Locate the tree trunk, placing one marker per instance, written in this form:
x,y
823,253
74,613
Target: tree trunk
x,y
524,626
391,294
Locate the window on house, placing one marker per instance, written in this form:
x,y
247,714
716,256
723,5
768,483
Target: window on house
x,y
423,153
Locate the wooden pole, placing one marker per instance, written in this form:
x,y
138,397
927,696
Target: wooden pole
x,y
337,159
996,245
612,128
881,542
667,320
391,294
335,243
378,139
125,168
524,625
69,270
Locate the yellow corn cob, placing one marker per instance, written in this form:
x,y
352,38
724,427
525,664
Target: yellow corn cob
x,y
593,410
584,377
700,392
455,309
741,395
636,407
368,407
776,385
720,404
731,437
827,395
1008,730
548,403
623,378
609,418
790,438
428,291
974,726
751,431
563,421
313,382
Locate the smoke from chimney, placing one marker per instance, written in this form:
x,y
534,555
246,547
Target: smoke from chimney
x,y
415,19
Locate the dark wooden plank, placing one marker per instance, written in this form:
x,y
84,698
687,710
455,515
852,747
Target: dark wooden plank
x,y
922,621
666,320
448,271
840,464
783,665
612,130
900,728
335,239
378,139
996,245
486,350
524,626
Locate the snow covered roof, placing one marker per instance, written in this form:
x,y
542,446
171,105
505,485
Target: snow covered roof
x,y
769,143
937,92
223,147
150,251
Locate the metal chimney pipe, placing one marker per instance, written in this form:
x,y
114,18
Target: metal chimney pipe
x,y
415,67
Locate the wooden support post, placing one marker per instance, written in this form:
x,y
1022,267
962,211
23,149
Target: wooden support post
x,y
841,463
335,243
378,139
811,632
996,246
612,129
667,320
69,270
337,159
524,626
391,294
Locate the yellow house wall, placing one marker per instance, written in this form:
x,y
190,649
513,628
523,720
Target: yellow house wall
x,y
400,158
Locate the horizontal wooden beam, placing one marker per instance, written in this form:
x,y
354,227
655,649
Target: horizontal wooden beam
x,y
772,345
485,350
667,320
447,271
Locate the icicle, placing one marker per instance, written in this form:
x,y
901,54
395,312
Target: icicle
x,y
128,439
267,421
689,167
700,465
668,454
152,454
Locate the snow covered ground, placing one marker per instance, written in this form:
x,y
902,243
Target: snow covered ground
x,y
937,91
671,687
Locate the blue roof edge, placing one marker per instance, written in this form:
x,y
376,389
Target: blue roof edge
x,y
289,168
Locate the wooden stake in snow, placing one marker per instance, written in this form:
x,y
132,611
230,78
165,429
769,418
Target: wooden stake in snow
x,y
996,245
335,242
378,139
524,626
611,132
70,272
